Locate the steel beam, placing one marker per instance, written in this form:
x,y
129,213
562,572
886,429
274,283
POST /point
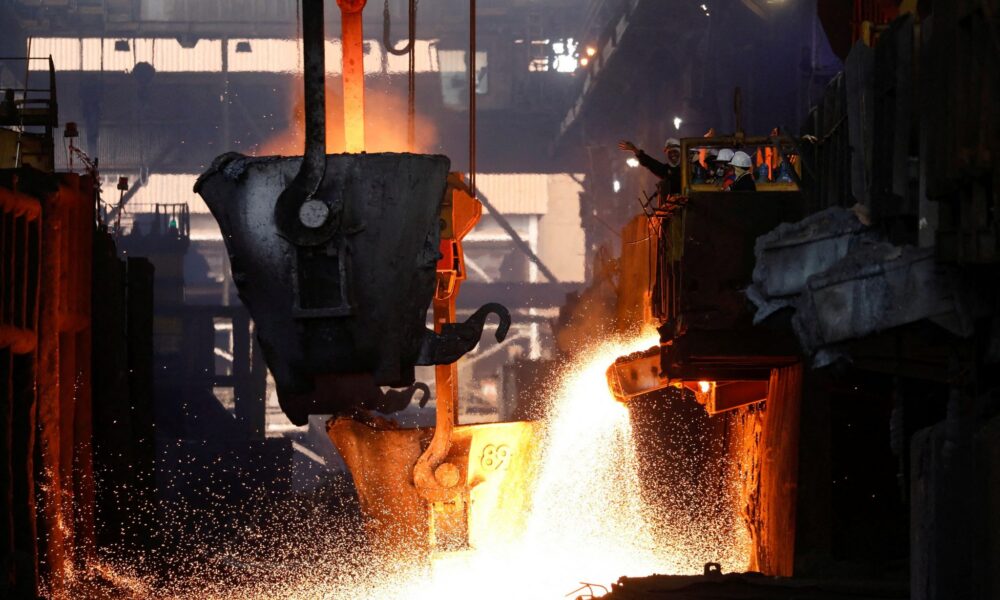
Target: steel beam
x,y
516,295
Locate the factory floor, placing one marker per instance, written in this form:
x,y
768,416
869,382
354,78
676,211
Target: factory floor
x,y
750,586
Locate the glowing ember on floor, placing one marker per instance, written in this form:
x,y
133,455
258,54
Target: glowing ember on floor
x,y
590,523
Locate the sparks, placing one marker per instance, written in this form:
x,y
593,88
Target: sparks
x,y
589,522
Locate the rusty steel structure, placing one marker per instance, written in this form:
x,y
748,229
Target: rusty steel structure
x,y
46,349
52,436
45,352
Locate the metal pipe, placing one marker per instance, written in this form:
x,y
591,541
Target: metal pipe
x,y
387,30
314,61
472,97
313,167
409,49
411,83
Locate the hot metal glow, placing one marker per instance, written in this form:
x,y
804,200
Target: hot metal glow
x,y
591,522
354,80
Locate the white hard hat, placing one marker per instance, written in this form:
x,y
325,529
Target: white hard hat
x,y
672,142
740,159
725,155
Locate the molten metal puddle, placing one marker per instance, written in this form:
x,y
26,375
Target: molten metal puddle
x,y
590,523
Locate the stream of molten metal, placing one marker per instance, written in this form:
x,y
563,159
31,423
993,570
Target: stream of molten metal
x,y
589,523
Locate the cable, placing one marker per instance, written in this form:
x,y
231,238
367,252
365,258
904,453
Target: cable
x,y
387,31
472,97
411,108
409,49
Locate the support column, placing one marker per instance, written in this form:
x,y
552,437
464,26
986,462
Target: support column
x,y
55,527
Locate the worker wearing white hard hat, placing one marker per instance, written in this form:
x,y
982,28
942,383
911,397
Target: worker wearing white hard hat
x,y
668,172
742,164
724,176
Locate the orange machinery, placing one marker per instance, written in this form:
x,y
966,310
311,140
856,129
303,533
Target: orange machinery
x,y
454,486
445,493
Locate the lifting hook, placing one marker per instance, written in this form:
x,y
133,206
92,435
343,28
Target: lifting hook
x,y
456,339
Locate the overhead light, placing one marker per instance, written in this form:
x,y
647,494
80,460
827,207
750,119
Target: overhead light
x,y
591,51
677,123
632,162
616,186
122,46
243,47
584,61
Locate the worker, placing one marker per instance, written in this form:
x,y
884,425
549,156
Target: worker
x,y
669,172
741,170
699,171
785,171
723,172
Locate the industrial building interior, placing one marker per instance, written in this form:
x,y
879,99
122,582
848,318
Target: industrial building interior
x,y
406,300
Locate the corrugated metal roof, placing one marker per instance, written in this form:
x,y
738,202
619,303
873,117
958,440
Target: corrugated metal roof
x,y
158,189
280,11
453,61
510,193
516,193
267,55
65,53
99,54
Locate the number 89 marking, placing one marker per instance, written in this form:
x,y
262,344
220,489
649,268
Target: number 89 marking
x,y
495,457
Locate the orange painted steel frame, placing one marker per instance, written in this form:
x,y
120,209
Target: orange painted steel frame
x,y
352,36
459,214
